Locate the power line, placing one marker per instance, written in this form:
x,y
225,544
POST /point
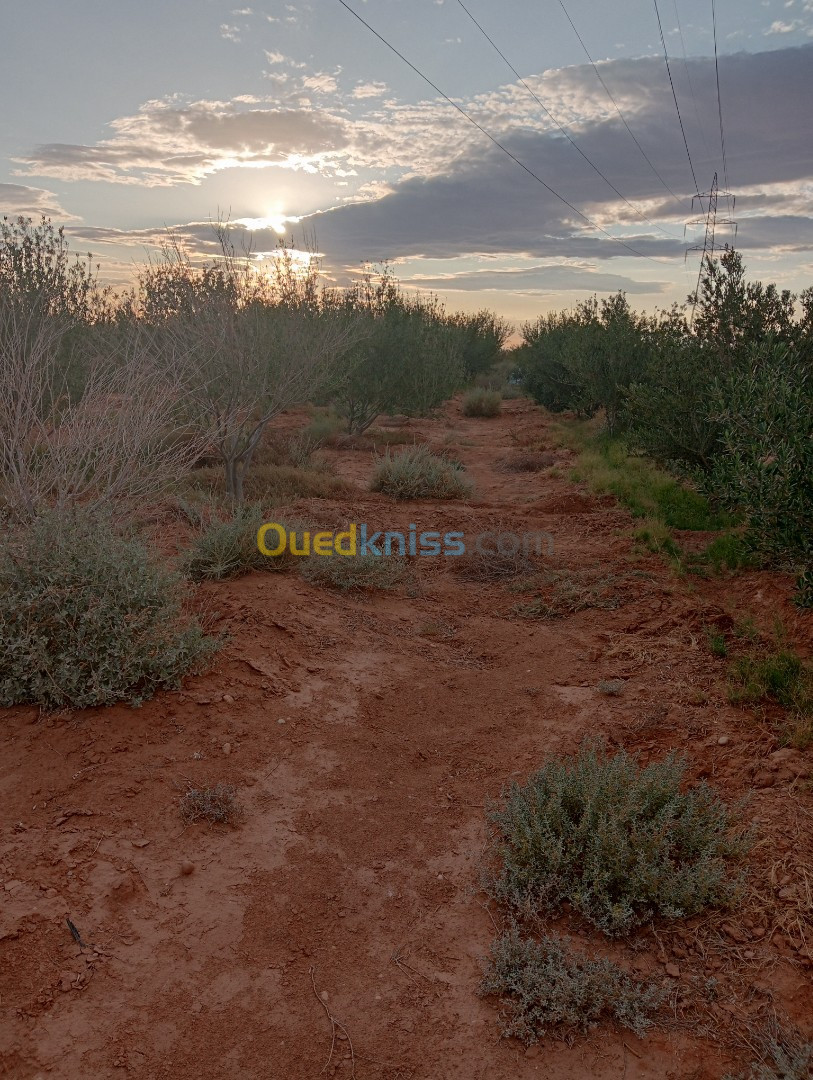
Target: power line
x,y
493,138
616,106
674,95
719,101
561,127
689,79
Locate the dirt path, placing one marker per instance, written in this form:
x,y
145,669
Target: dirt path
x,y
363,737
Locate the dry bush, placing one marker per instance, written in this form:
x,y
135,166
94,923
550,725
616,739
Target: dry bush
x,y
112,446
227,549
416,473
483,403
218,805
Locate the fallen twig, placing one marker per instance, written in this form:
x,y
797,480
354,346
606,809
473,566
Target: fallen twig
x,y
334,1024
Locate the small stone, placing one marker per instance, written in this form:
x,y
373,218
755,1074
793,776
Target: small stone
x,y
229,700
735,933
226,748
139,843
723,740
187,867
281,720
785,754
672,970
324,995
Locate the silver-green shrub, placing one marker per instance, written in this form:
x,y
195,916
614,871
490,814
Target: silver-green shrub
x,y
87,618
620,842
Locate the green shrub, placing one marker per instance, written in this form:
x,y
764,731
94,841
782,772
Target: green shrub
x,y
804,589
619,841
481,402
546,988
765,467
354,572
417,473
226,549
86,618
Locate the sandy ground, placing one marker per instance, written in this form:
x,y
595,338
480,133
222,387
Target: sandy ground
x,y
364,736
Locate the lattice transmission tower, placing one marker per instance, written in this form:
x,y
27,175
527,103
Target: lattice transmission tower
x,y
711,222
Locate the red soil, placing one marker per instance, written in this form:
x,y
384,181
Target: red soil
x,y
363,735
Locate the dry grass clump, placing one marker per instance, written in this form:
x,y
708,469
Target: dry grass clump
x,y
783,1055
483,403
611,687
417,473
485,566
227,549
546,988
355,573
564,592
620,842
218,805
281,483
528,461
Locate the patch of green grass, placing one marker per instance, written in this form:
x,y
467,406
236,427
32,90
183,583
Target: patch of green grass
x,y
646,490
717,641
547,988
656,537
725,554
619,841
804,589
417,473
354,573
779,676
482,402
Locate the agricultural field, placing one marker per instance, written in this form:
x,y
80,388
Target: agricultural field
x,y
283,860
382,701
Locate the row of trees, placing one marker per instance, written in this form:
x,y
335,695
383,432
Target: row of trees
x,y
111,396
726,401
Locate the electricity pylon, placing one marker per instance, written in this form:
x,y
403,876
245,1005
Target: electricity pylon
x,y
711,222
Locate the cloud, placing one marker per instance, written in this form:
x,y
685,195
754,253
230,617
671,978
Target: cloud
x,y
166,144
425,182
533,280
18,200
473,199
369,90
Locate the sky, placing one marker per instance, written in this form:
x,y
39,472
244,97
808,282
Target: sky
x,y
122,121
